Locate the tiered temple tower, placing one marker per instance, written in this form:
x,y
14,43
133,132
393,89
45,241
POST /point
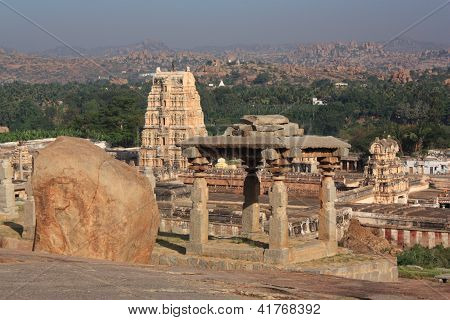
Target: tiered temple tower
x,y
385,172
173,115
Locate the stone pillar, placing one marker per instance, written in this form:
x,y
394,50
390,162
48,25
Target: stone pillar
x,y
20,165
29,217
383,233
418,237
406,238
444,239
7,197
278,224
250,210
278,252
327,213
199,222
314,166
148,173
431,239
394,237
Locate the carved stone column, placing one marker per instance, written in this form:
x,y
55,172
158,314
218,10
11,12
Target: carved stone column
x,y
7,197
250,210
327,213
278,224
199,212
199,222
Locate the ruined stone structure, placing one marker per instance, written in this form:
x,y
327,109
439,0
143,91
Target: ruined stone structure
x,y
22,162
173,115
275,144
385,172
7,198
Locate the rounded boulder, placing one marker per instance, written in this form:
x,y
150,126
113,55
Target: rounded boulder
x,y
89,204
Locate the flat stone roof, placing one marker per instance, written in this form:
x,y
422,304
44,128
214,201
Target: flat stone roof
x,y
259,142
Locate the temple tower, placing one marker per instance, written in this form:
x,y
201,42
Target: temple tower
x,y
173,115
385,171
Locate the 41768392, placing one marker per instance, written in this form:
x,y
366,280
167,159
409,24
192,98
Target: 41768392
x,y
284,308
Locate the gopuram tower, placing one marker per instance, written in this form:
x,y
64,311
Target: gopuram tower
x,y
385,171
173,115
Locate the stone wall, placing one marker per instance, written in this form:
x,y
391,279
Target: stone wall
x,y
408,238
378,269
356,194
405,231
232,181
226,223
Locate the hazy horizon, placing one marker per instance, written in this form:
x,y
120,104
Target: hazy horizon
x,y
190,24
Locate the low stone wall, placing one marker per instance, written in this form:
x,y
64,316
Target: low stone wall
x,y
406,231
359,267
16,244
408,238
228,223
440,181
378,270
419,187
355,194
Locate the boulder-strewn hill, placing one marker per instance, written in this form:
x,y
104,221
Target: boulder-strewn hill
x,y
235,64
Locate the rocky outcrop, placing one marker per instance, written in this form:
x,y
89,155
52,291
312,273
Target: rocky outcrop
x,y
264,125
91,205
4,129
401,76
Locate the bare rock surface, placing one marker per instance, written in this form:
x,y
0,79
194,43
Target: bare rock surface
x,y
91,205
401,76
81,278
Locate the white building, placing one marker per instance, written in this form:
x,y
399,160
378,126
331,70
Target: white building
x,y
340,84
427,165
317,102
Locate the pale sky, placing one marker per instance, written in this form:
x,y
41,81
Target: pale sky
x,y
191,23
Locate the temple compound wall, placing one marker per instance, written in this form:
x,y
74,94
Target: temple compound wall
x,y
385,172
173,115
405,226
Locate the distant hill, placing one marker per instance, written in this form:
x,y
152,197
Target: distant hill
x,y
410,45
234,64
65,52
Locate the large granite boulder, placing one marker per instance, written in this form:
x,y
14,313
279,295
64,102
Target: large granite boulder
x,y
273,125
91,205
